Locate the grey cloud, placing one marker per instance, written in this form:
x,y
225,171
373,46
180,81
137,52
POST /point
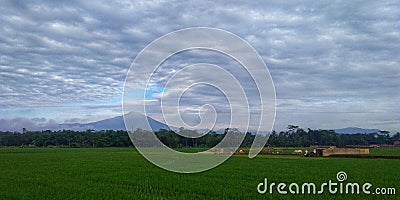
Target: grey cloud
x,y
343,55
17,124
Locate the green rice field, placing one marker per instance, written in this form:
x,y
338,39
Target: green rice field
x,y
122,173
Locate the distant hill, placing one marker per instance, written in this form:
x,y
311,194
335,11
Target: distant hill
x,y
117,123
355,130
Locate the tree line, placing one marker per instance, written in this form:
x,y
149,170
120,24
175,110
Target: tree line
x,y
66,138
292,137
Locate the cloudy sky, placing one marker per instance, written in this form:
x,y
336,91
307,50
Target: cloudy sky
x,y
334,65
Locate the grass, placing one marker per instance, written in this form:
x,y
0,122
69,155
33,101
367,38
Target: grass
x,y
384,151
122,173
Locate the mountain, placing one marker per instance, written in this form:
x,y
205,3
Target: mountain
x,y
117,123
355,130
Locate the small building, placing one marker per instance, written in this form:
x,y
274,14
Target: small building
x,y
324,152
396,143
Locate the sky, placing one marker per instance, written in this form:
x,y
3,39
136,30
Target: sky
x,y
333,64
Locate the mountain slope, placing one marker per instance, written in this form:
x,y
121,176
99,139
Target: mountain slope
x,y
117,123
